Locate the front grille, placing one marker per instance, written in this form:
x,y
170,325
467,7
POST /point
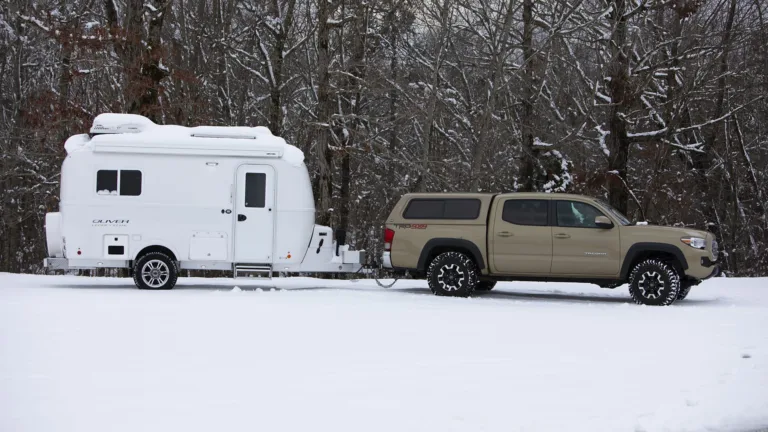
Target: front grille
x,y
715,250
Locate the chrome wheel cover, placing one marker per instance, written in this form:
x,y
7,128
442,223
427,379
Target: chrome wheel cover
x,y
155,273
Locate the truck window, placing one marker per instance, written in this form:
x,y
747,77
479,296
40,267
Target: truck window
x,y
255,189
526,212
442,208
576,214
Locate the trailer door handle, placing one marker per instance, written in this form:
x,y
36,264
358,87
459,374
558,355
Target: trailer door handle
x,y
241,217
562,236
504,234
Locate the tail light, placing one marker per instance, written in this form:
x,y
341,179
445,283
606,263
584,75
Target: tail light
x,y
389,236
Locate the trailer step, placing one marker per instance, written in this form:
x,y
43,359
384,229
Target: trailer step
x,y
260,270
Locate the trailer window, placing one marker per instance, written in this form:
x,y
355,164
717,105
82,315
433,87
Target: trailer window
x,y
526,212
128,182
255,189
437,208
106,182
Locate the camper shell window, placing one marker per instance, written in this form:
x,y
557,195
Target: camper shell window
x,y
442,208
109,182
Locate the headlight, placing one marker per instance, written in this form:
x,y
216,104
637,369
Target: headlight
x,y
695,242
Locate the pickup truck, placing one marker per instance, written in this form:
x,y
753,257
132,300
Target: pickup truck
x,y
466,242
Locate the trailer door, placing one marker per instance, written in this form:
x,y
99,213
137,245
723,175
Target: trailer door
x,y
254,214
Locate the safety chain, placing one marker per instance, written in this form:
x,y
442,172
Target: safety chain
x,y
375,271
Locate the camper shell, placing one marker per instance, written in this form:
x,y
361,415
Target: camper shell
x,y
210,198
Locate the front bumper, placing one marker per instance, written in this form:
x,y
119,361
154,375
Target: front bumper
x,y
386,260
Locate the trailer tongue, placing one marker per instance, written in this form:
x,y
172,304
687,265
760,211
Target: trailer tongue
x,y
158,199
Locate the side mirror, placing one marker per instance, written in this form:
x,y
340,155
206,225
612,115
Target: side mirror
x,y
603,222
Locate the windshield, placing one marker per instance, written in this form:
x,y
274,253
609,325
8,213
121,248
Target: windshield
x,y
616,214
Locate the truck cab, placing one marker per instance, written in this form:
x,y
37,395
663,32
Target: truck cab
x,y
466,242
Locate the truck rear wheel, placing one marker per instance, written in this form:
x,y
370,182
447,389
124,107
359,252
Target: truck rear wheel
x,y
452,274
654,283
155,271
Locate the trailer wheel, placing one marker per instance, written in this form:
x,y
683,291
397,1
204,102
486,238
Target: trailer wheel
x,y
155,271
452,274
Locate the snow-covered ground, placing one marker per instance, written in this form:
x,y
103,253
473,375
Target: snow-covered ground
x,y
93,354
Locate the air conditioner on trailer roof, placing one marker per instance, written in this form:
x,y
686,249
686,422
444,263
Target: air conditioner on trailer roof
x,y
120,123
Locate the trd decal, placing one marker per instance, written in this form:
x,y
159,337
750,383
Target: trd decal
x,y
411,226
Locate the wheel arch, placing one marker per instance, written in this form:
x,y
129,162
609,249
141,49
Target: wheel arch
x,y
641,251
436,246
156,248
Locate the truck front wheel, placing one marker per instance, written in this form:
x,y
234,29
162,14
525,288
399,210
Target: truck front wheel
x,y
654,283
452,274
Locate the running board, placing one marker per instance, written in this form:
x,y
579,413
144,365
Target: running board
x,y
260,270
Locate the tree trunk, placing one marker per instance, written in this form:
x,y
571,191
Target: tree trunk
x,y
323,157
445,9
703,161
275,118
528,173
617,141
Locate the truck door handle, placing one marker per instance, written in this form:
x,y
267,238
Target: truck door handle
x,y
241,217
504,234
562,236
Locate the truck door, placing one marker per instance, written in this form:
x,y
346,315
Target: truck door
x,y
520,237
254,214
580,247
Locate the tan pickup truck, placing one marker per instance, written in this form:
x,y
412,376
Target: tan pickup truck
x,y
464,242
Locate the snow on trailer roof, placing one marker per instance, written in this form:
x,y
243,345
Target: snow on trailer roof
x,y
131,133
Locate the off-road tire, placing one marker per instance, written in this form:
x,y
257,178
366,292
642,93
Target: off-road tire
x,y
654,283
485,285
452,274
685,289
155,271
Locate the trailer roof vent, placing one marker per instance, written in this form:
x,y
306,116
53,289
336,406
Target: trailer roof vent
x,y
229,132
223,135
120,124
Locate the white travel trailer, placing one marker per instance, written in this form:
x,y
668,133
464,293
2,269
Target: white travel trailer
x,y
161,198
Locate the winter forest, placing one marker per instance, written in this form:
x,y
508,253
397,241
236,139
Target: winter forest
x,y
658,106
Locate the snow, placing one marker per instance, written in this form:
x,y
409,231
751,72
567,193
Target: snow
x,y
129,131
601,139
93,354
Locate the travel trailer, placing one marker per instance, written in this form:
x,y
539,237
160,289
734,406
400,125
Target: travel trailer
x,y
157,199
